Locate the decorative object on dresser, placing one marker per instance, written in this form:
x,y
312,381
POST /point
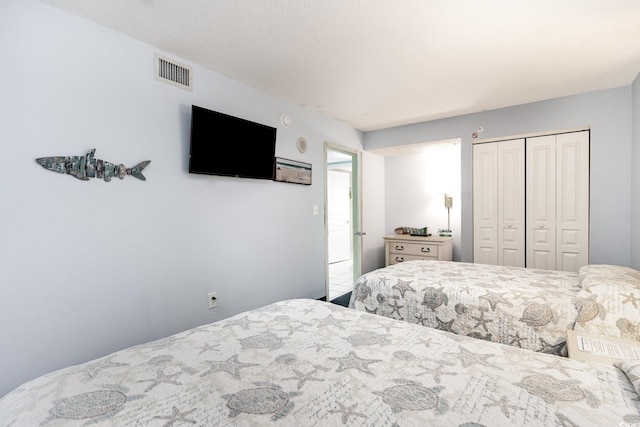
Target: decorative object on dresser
x,y
445,233
399,248
422,231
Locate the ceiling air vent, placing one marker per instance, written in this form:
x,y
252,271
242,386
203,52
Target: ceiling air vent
x,y
173,73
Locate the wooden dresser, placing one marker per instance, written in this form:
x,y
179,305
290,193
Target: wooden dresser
x,y
404,247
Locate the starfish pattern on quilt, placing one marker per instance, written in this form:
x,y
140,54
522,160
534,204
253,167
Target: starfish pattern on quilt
x,y
208,347
396,307
517,339
177,416
347,412
302,378
468,358
161,378
494,299
503,404
436,373
231,366
421,319
403,287
482,321
630,297
444,326
352,361
243,322
289,327
332,321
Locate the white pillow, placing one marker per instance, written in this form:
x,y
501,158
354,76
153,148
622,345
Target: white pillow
x,y
596,274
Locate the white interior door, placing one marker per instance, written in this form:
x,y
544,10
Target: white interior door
x,y
485,203
558,201
511,227
572,201
541,202
339,215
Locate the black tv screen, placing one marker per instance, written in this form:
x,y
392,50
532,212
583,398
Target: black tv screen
x,y
230,146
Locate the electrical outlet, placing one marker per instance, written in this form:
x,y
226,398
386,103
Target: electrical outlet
x,y
213,299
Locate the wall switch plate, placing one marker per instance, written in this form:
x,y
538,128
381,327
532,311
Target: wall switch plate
x,y
213,299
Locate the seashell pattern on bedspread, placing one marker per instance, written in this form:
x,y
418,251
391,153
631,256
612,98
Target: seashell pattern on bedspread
x,y
311,363
526,308
609,301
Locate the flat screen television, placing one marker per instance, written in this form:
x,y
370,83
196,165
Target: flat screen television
x,y
230,146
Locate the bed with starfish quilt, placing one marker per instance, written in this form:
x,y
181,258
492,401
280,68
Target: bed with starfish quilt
x,y
312,363
521,307
525,308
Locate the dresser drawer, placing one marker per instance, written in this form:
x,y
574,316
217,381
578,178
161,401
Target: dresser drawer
x,y
407,248
395,258
419,249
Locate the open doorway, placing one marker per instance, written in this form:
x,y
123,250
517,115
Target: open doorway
x,y
342,221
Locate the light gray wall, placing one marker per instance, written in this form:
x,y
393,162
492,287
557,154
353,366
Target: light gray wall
x,y
415,185
608,113
88,268
635,178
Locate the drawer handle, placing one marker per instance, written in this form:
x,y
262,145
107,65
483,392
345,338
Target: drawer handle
x,y
425,251
399,259
399,248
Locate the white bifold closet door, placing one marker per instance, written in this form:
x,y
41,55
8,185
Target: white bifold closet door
x,y
499,203
557,201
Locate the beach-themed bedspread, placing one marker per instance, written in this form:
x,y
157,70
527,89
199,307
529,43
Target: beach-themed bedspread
x,y
608,301
526,308
311,363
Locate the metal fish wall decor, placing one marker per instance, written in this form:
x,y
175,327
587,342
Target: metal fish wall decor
x,y
85,167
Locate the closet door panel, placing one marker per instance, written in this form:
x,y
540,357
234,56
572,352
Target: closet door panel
x,y
511,199
485,204
546,226
572,199
541,202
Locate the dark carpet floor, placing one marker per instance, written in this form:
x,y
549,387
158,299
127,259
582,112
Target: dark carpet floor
x,y
342,300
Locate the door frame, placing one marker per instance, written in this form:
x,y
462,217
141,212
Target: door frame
x,y
356,210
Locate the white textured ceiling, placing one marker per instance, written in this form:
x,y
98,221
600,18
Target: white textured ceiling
x,y
375,64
